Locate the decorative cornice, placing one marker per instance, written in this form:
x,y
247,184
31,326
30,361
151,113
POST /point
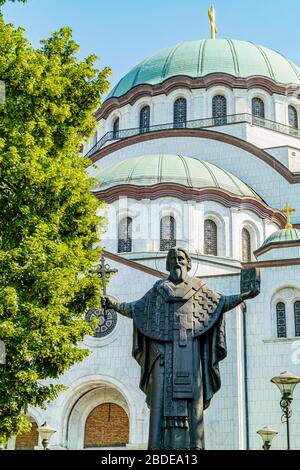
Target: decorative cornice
x,y
182,81
201,134
184,193
264,249
273,263
161,275
215,260
134,265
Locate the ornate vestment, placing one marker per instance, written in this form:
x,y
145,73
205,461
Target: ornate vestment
x,y
179,339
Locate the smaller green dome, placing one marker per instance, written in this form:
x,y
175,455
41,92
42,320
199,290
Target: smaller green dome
x,y
149,170
282,237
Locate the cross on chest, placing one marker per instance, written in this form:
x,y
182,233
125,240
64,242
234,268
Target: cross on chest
x,y
183,322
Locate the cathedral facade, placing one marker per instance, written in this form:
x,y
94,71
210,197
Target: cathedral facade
x,y
198,146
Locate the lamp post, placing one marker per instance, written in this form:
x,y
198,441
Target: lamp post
x,y
267,434
286,382
45,431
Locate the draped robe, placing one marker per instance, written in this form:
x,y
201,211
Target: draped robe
x,y
178,341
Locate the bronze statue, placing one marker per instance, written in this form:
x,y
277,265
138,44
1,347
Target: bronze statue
x,y
179,339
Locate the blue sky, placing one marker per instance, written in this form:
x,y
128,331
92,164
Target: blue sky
x,y
124,32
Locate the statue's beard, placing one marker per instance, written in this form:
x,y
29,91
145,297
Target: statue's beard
x,y
178,273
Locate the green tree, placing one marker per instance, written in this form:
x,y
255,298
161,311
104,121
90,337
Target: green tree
x,y
48,221
4,1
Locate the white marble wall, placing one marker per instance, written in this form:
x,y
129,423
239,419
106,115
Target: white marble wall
x,y
189,218
271,186
199,106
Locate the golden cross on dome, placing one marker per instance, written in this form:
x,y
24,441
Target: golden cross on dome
x,y
288,210
212,19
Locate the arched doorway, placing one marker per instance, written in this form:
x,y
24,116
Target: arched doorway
x,y
97,413
107,425
28,440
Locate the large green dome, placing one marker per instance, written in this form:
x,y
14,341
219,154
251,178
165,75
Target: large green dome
x,y
149,170
199,58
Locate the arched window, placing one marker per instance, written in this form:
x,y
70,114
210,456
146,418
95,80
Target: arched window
x,y
293,117
125,235
219,108
281,320
297,318
167,233
145,119
258,108
246,245
180,112
116,128
210,238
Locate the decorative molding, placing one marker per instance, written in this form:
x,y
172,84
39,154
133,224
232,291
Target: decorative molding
x,y
202,134
182,81
273,263
134,265
184,193
264,249
159,274
212,260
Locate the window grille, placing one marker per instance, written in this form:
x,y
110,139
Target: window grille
x,y
293,117
246,245
145,119
281,320
210,238
180,112
258,108
219,106
116,128
297,318
167,233
125,235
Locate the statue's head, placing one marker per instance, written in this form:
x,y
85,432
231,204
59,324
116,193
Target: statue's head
x,y
179,263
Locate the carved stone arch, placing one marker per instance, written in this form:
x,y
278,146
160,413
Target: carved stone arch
x,y
266,98
224,91
255,238
175,210
86,395
116,114
137,108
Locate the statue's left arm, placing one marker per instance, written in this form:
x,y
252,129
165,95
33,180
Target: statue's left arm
x,y
232,301
250,288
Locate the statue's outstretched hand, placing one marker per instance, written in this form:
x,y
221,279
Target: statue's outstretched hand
x,y
251,294
107,303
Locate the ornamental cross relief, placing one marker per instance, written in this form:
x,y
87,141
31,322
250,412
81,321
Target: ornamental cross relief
x,y
183,322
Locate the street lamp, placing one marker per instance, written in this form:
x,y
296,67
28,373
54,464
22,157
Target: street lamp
x,y
45,432
286,382
267,434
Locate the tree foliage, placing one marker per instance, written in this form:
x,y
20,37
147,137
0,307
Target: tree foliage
x,y
4,1
48,222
